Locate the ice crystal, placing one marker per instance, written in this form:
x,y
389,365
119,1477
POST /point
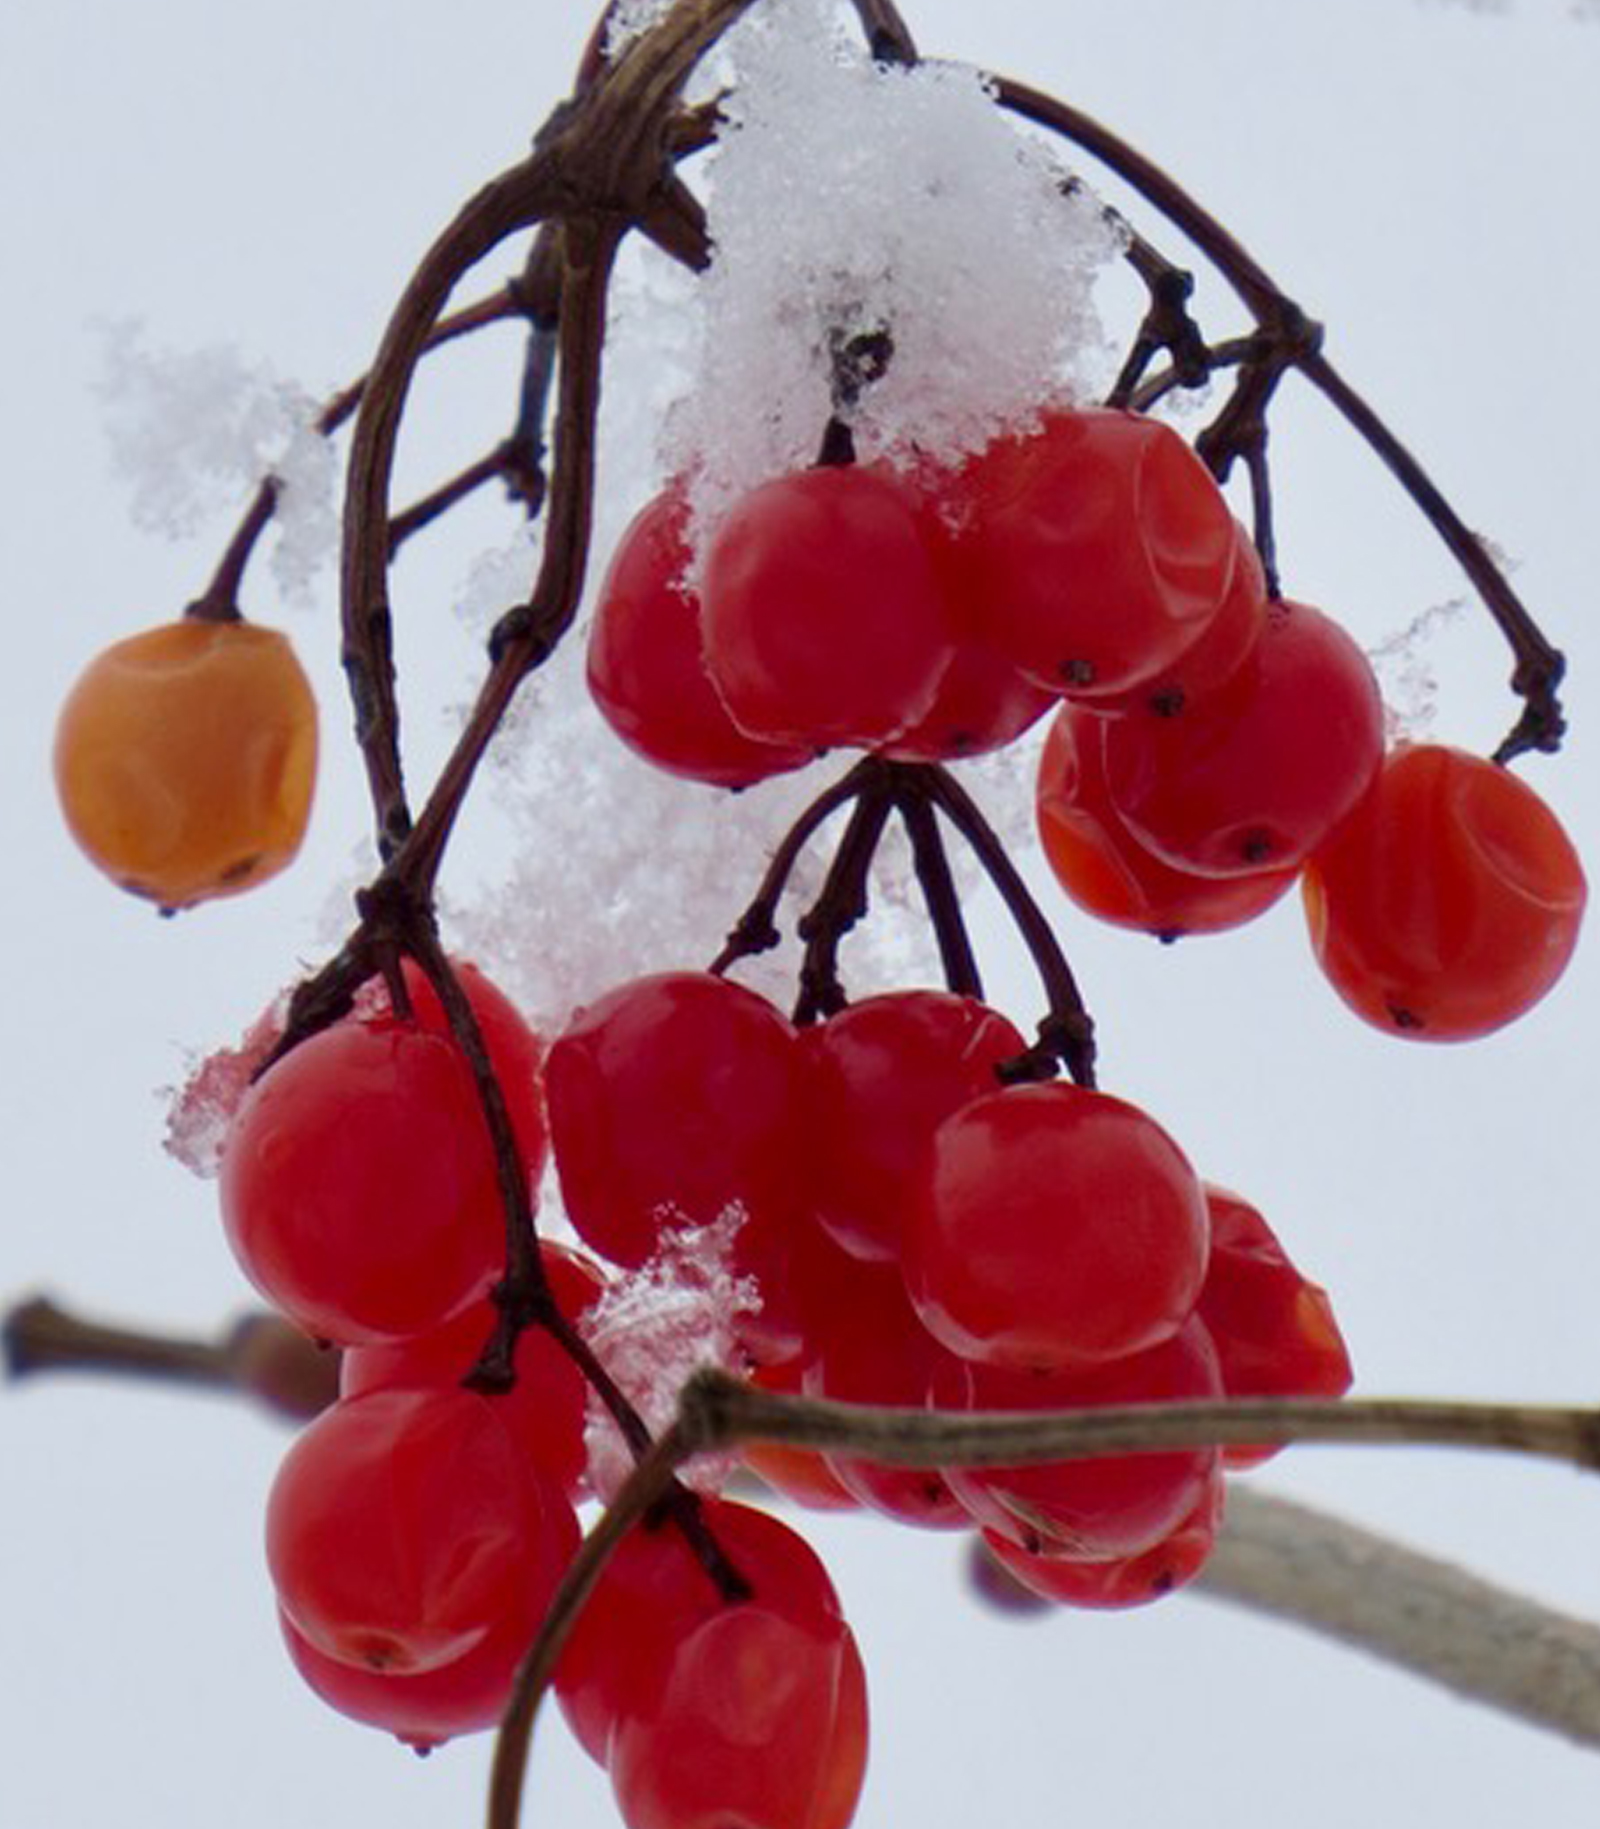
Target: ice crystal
x,y
654,1326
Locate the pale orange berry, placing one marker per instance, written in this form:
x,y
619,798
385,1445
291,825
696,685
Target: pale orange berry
x,y
185,757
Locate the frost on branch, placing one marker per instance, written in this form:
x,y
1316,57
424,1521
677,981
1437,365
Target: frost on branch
x,y
847,197
191,433
656,1325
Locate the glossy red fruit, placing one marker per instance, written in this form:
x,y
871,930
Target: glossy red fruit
x,y
1449,902
655,1592
672,1099
425,1709
406,1528
762,1721
1058,1228
1118,1582
358,1183
1104,1506
545,1411
646,670
1257,775
1273,1328
881,1076
1101,546
1106,870
822,611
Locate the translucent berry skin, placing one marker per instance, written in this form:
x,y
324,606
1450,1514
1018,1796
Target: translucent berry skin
x,y
652,1595
822,612
1105,1506
1106,870
881,1076
1058,1228
1255,776
404,1528
358,1184
1449,902
671,1099
1101,545
426,1708
185,758
545,1411
762,1721
645,668
1118,1582
1273,1328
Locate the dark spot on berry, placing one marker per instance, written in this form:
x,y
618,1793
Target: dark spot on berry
x,y
1164,1582
1404,1018
1169,701
1077,672
1257,848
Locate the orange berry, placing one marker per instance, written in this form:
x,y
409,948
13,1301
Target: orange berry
x,y
185,757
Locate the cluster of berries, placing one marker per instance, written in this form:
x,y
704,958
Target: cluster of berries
x,y
923,1234
1211,744
417,1529
912,1230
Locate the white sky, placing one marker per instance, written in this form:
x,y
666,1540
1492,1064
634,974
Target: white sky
x,y
1419,177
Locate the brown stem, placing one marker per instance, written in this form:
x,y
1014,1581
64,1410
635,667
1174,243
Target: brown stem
x,y
261,1355
717,1412
1067,1032
513,201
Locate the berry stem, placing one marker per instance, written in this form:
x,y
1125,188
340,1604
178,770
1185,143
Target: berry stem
x,y
756,929
842,901
1067,1031
940,896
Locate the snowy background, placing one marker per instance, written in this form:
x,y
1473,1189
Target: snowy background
x,y
1418,176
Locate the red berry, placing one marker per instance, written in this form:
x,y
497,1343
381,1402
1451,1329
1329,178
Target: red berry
x,y
1059,1228
822,611
406,1527
1101,546
1106,870
1273,1329
1101,1506
1119,1581
652,1595
1255,776
645,667
428,1707
1449,902
881,1076
358,1183
673,1098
